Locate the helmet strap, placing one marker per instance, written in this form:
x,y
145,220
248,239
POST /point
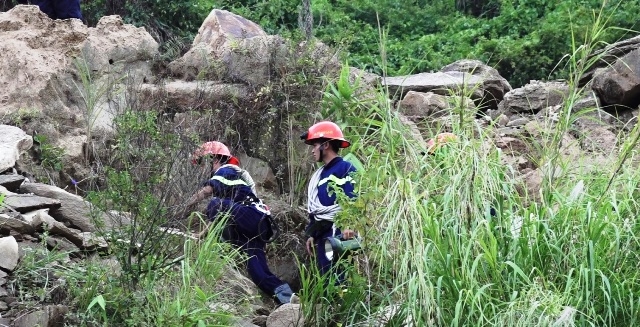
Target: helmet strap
x,y
321,151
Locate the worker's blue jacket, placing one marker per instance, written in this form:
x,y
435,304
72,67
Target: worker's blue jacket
x,y
334,174
233,195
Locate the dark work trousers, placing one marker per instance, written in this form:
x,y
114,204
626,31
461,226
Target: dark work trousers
x,y
59,9
243,230
325,265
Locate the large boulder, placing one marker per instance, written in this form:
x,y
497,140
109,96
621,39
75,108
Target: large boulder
x,y
443,83
232,48
494,86
619,84
13,142
533,97
609,55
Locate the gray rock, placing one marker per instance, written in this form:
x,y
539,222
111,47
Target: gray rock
x,y
10,254
502,120
11,182
534,96
13,142
286,315
61,244
231,48
494,86
244,323
73,209
518,122
421,105
448,83
609,55
26,202
619,84
49,316
43,221
16,224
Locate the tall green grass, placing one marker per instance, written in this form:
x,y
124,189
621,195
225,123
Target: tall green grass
x,y
434,250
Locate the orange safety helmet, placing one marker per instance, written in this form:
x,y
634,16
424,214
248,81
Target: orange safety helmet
x,y
325,130
213,148
439,140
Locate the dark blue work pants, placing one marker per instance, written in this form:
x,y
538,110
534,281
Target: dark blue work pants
x,y
243,230
59,9
325,265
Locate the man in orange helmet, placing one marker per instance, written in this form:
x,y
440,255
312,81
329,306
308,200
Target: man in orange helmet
x,y
248,224
327,140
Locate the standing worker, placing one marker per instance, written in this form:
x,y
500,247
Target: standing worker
x,y
327,140
248,226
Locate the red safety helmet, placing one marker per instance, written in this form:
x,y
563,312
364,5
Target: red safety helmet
x,y
212,149
325,130
439,140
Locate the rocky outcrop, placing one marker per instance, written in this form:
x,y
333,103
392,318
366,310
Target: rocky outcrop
x,y
39,60
232,48
184,96
607,56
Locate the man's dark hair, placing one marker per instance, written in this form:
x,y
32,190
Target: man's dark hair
x,y
335,145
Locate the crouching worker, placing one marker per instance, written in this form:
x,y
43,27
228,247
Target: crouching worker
x,y
326,140
247,226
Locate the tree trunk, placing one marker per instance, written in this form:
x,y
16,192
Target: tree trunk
x,y
305,19
115,7
479,8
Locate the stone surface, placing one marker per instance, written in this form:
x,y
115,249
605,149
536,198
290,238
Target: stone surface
x,y
13,142
48,316
440,83
619,84
232,48
11,182
16,224
533,97
73,209
494,86
10,254
286,315
41,64
26,202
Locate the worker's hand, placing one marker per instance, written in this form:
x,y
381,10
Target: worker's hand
x,y
310,246
348,234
